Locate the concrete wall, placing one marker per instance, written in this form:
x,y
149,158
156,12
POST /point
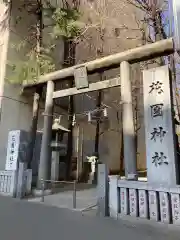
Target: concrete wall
x,y
4,36
16,110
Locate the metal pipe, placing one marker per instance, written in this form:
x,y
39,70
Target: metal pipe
x,y
52,181
145,52
74,194
42,188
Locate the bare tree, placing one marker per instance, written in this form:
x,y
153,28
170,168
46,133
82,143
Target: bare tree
x,y
158,23
104,33
149,24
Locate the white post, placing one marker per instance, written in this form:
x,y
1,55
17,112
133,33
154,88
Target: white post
x,y
176,17
102,191
128,123
77,151
113,196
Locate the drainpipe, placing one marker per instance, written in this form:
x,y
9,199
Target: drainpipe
x,y
5,10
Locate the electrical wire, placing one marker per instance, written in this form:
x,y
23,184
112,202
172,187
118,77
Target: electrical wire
x,y
85,113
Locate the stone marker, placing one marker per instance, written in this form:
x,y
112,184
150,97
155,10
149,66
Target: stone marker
x,y
16,149
160,150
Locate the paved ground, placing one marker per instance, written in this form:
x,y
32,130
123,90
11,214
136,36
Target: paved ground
x,y
64,199
30,221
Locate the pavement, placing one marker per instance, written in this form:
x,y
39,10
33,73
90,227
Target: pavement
x,y
23,220
86,196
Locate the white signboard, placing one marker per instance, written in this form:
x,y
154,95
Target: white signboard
x,y
153,205
164,207
160,151
133,202
143,204
175,203
124,201
12,150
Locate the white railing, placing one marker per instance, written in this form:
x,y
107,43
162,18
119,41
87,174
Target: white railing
x,y
139,199
8,182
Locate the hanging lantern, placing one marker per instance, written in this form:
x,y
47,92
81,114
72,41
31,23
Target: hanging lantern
x,y
105,112
60,116
74,120
89,117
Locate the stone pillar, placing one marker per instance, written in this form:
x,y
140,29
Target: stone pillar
x,y
55,160
128,123
55,166
20,181
45,156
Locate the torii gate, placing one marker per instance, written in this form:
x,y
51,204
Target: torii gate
x,y
80,74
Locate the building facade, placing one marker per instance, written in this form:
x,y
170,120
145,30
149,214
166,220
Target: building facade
x,y
111,27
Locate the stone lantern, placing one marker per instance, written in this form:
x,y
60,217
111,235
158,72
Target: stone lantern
x,y
57,147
